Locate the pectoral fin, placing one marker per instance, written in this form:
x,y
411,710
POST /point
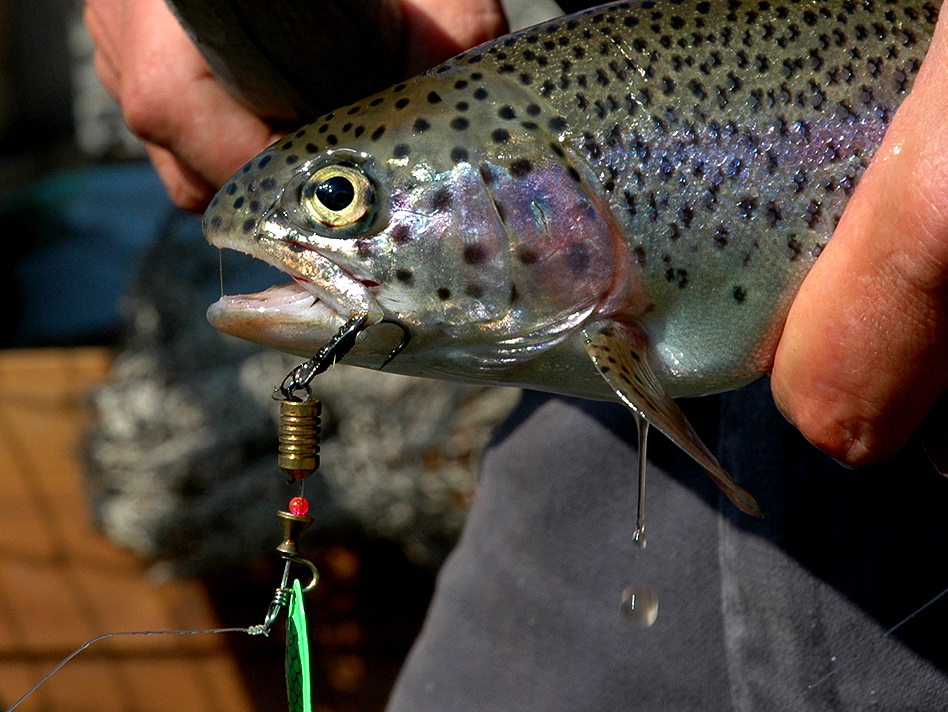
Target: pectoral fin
x,y
620,353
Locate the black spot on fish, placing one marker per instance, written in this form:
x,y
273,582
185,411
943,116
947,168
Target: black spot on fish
x,y
239,202
521,168
422,125
527,256
401,150
721,237
462,106
441,200
557,123
577,255
460,84
460,123
533,109
216,221
403,275
480,94
434,97
248,225
677,276
474,254
401,235
474,290
459,154
311,148
500,135
507,112
332,140
359,130
268,183
231,188
378,133
740,294
287,146
444,293
793,248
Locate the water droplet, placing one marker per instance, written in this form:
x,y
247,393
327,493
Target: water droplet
x,y
638,538
640,605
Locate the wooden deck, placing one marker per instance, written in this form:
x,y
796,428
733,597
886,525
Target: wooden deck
x,y
62,582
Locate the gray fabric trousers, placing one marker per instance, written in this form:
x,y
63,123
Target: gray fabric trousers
x,y
752,613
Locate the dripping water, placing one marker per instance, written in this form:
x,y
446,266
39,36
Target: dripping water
x,y
638,537
639,602
640,605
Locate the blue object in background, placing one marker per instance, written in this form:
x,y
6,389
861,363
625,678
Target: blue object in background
x,y
76,243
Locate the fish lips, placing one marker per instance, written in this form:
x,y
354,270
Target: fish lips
x,y
300,317
286,318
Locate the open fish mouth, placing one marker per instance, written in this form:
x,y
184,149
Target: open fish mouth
x,y
287,318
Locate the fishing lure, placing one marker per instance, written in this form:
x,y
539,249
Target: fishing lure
x,y
298,458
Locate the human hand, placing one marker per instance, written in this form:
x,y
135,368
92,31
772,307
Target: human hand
x,y
196,133
864,354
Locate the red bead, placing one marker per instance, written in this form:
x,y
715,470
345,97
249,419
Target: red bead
x,y
299,506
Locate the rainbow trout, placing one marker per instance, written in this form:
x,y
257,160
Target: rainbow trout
x,y
617,204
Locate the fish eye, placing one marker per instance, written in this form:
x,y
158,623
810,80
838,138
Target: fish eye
x,y
338,195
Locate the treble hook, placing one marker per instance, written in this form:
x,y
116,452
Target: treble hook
x,y
406,337
300,377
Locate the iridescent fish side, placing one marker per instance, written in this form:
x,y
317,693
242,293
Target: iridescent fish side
x,y
618,204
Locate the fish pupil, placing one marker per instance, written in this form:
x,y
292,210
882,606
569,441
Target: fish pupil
x,y
336,193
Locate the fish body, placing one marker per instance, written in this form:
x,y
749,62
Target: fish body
x,y
617,204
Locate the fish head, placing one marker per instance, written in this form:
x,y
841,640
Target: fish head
x,y
444,204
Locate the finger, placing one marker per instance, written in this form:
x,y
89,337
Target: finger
x,y
186,188
100,25
436,30
864,351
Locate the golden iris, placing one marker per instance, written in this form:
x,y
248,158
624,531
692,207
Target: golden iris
x,y
338,195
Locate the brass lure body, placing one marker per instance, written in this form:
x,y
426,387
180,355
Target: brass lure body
x,y
617,204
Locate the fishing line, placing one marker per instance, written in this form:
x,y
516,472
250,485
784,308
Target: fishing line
x,y
864,649
250,631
